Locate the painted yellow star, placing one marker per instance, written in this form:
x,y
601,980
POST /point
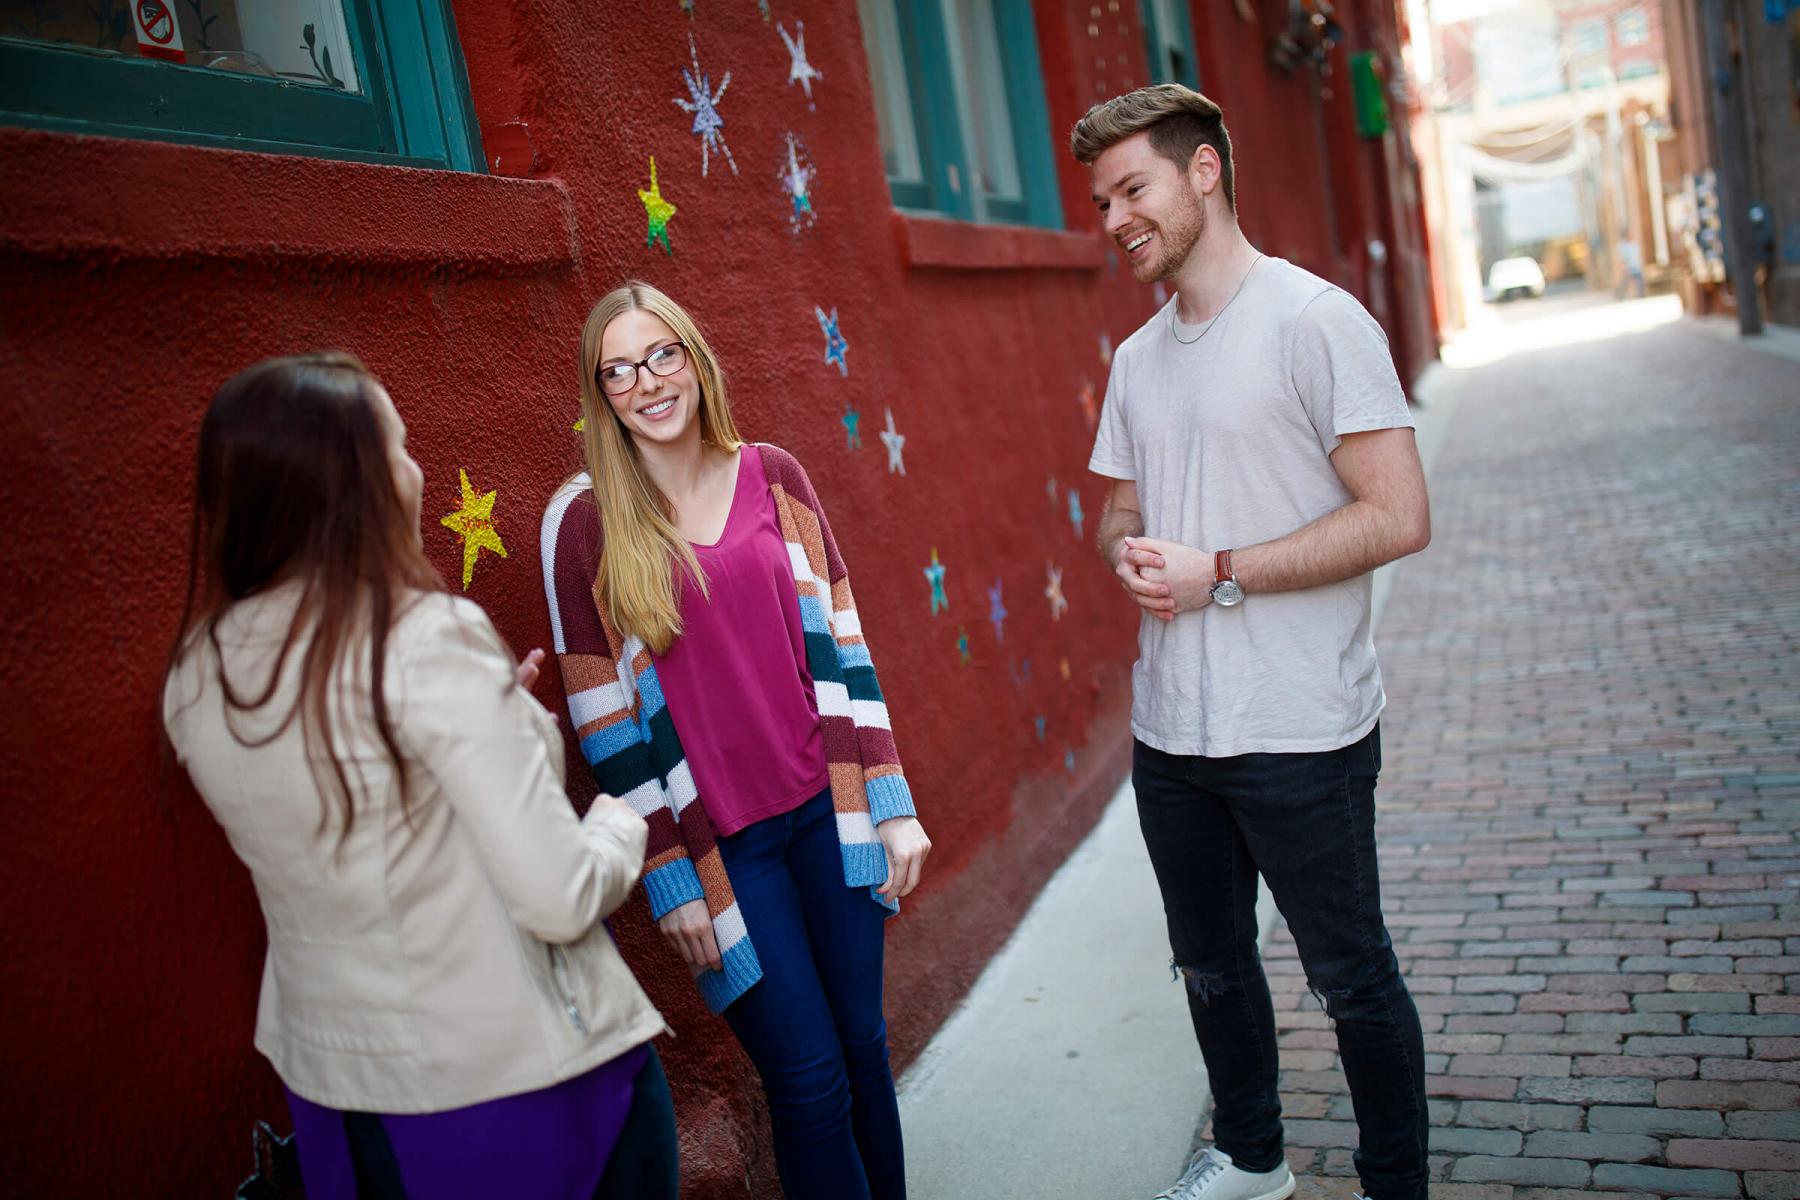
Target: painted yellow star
x,y
657,212
474,524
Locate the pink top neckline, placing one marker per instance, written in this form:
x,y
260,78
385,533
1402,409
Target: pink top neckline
x,y
737,489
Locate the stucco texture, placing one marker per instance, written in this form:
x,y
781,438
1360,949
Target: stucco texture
x,y
139,275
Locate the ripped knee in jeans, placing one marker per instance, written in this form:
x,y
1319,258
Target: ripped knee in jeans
x,y
1202,985
1331,999
1364,991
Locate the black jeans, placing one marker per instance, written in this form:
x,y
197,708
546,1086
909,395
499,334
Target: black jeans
x,y
1306,823
645,1162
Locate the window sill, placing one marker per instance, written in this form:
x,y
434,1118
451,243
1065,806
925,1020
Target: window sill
x,y
962,246
71,197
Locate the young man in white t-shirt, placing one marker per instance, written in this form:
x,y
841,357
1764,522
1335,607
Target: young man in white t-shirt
x,y
1262,464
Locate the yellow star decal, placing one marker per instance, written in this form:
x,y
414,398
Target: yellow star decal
x,y
474,524
657,212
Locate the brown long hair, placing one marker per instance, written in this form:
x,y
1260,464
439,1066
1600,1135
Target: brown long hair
x,y
293,485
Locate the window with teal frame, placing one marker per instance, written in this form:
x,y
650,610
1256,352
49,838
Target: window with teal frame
x,y
397,91
959,97
1169,41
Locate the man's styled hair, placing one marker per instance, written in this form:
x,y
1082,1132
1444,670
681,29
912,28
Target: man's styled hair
x,y
1179,119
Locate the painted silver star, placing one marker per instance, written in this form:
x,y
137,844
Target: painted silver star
x,y
703,102
799,70
895,443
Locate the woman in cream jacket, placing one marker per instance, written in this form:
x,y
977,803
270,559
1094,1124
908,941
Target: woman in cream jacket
x,y
440,998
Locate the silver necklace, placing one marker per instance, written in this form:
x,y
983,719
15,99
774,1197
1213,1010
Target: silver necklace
x,y
1216,316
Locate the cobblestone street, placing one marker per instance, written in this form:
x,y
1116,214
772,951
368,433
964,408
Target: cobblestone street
x,y
1592,783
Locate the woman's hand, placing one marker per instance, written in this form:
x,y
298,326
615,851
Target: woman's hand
x,y
689,929
906,844
527,674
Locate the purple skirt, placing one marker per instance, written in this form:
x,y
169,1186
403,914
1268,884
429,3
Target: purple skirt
x,y
551,1144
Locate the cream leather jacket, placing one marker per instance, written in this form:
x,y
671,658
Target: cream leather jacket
x,y
448,954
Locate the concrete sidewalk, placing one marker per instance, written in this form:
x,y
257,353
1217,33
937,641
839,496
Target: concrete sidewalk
x,y
1070,1070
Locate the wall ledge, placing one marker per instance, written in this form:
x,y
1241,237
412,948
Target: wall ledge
x,y
934,242
75,197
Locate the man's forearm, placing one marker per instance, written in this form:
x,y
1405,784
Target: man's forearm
x,y
1117,524
1342,544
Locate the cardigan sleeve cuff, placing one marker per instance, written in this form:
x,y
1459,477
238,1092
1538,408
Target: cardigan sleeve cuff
x,y
889,797
672,885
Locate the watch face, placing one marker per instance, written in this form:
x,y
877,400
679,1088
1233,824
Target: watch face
x,y
1227,593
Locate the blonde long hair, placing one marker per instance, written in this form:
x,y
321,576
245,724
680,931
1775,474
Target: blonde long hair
x,y
636,580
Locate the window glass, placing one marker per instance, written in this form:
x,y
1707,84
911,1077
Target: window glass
x,y
887,79
293,41
376,80
981,94
1632,28
1588,37
959,101
1171,47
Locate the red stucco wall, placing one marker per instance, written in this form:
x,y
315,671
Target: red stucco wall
x,y
137,276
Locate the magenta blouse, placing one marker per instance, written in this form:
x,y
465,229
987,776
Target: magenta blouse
x,y
736,679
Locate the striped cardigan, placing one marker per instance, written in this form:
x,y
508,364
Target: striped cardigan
x,y
628,737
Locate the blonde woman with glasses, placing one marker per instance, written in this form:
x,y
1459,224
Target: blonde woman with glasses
x,y
718,680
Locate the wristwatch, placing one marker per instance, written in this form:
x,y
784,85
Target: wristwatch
x,y
1226,591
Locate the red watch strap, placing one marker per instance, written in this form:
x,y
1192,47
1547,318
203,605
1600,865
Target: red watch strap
x,y
1222,566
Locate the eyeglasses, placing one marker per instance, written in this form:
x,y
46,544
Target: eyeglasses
x,y
615,379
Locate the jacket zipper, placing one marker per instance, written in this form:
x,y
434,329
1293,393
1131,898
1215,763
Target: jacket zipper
x,y
562,987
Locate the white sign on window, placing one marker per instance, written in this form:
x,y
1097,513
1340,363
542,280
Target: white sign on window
x,y
158,30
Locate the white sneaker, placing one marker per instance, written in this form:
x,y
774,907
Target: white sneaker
x,y
1210,1176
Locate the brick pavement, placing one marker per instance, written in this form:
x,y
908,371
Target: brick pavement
x,y
1592,785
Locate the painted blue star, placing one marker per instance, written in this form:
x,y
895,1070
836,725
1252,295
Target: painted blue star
x,y
997,612
962,644
1075,514
1040,728
796,180
835,343
852,431
934,575
1069,761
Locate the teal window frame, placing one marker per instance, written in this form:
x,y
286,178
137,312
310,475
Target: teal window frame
x,y
931,92
414,108
1183,35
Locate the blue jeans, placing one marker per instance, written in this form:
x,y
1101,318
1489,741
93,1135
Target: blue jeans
x,y
813,1024
1306,822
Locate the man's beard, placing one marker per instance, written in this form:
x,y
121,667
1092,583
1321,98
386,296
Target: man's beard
x,y
1179,234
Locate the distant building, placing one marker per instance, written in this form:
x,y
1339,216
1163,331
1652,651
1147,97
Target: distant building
x,y
1552,118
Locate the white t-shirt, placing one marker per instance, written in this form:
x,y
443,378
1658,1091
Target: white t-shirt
x,y
1229,440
